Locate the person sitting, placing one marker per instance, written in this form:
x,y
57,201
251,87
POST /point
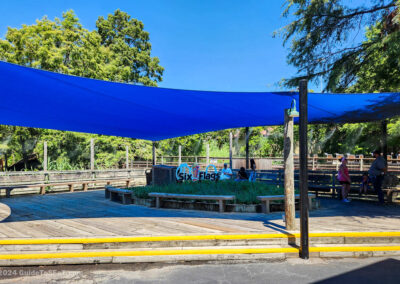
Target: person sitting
x,y
242,175
364,184
226,173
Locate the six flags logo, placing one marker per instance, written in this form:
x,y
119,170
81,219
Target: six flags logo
x,y
185,172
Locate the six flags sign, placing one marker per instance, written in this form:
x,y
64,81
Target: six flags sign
x,y
186,173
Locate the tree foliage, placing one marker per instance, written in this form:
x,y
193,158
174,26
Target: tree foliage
x,y
119,50
323,35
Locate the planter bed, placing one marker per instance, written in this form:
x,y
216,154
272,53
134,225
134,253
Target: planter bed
x,y
207,206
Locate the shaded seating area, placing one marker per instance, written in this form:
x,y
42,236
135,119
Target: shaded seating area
x,y
325,182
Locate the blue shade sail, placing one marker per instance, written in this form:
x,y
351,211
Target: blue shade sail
x,y
42,99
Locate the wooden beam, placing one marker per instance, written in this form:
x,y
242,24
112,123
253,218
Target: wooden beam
x,y
208,153
154,154
230,150
384,138
179,155
92,154
289,173
127,157
247,148
45,156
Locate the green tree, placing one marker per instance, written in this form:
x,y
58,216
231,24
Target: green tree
x,y
119,50
322,34
130,50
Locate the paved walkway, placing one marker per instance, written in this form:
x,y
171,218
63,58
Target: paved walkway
x,y
89,214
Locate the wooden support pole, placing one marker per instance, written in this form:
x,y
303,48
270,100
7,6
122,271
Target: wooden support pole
x,y
154,154
179,155
384,139
208,154
247,148
289,173
45,156
303,126
5,162
230,150
92,154
127,157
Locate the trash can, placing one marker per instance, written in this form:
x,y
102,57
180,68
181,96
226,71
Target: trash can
x,y
149,176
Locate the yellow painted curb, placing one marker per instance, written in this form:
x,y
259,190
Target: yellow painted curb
x,y
191,238
352,249
146,253
191,252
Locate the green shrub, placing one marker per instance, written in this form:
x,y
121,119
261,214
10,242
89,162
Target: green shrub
x,y
245,192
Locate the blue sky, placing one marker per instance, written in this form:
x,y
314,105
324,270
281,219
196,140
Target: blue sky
x,y
221,45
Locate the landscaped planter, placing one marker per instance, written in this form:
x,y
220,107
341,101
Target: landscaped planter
x,y
143,201
206,206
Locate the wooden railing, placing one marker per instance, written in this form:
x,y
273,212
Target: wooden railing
x,y
328,163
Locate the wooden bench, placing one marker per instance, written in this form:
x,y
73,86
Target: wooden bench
x,y
266,200
220,198
114,193
392,194
70,184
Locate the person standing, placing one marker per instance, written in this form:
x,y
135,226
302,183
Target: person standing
x,y
344,179
226,173
376,174
253,174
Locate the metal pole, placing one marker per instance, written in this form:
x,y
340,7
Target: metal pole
x,y
127,157
230,150
154,154
290,217
304,238
45,156
92,154
247,148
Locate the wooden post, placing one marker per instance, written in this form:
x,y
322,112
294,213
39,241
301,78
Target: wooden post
x,y
179,155
303,126
230,150
208,154
247,148
127,157
361,163
154,153
45,156
92,154
384,139
162,160
289,173
313,163
5,162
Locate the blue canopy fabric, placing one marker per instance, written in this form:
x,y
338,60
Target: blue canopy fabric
x,y
42,99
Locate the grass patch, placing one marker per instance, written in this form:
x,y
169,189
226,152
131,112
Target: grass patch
x,y
245,192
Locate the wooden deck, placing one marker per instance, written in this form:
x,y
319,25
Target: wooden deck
x,y
88,214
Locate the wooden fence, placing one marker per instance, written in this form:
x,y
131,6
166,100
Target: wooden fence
x,y
315,163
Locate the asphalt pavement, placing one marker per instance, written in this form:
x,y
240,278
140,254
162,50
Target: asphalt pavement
x,y
367,270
